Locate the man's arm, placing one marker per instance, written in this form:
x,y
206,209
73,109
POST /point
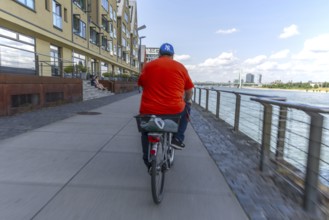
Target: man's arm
x,y
188,95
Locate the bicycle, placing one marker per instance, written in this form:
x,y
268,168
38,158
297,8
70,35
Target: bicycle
x,y
161,154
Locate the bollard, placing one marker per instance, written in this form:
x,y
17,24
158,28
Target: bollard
x,y
199,96
218,104
281,133
313,163
207,99
266,138
237,112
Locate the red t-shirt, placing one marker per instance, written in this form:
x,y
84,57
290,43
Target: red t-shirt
x,y
164,82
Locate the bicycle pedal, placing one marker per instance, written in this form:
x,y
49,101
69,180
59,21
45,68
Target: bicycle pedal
x,y
165,168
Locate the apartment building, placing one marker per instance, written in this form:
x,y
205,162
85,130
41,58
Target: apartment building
x,y
46,37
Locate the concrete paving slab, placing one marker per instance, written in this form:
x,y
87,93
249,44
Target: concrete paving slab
x,y
76,127
57,141
196,175
114,169
124,143
104,204
22,201
102,118
40,166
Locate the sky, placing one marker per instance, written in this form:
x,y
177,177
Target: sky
x,y
217,40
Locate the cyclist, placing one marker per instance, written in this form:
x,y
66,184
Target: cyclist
x,y
167,89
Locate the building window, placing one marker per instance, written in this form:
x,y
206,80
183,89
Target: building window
x,y
80,3
27,3
114,16
104,43
111,30
126,18
124,43
105,4
79,27
104,67
54,60
110,46
105,24
17,52
111,12
57,15
79,59
123,28
94,36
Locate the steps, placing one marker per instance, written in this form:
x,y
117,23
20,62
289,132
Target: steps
x,y
90,92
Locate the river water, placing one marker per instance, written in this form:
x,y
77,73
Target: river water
x,y
296,141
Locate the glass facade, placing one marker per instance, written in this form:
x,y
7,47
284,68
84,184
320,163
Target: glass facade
x,y
57,15
27,3
55,60
79,27
17,52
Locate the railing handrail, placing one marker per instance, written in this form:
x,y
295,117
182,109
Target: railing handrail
x,y
35,53
295,105
246,93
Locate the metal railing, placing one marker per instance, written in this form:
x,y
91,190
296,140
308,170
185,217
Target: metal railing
x,y
293,137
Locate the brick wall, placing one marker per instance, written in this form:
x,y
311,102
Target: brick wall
x,y
119,86
20,93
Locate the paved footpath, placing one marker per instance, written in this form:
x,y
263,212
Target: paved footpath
x,y
63,165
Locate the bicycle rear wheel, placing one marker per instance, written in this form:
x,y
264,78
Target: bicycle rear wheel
x,y
157,176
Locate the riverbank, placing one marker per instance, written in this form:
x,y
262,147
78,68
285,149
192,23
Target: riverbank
x,y
319,90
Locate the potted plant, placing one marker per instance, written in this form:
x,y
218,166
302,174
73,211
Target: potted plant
x,y
68,70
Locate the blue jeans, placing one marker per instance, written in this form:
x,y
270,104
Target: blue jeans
x,y
185,114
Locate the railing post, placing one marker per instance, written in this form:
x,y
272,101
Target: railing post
x,y
281,133
207,99
41,72
266,138
313,162
194,95
218,104
200,96
61,68
37,65
237,112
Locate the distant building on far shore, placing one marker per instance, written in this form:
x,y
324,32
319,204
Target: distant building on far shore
x,y
250,78
260,78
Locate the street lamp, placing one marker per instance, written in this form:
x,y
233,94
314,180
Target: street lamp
x,y
141,27
140,53
140,46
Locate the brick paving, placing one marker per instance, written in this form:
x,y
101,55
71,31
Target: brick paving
x,y
238,158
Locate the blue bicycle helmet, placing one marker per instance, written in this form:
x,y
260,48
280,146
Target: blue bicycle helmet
x,y
166,49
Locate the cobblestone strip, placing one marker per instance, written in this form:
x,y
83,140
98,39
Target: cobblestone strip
x,y
237,158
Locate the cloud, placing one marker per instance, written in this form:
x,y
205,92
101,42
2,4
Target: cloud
x,y
228,31
182,57
290,31
310,63
319,44
280,55
316,48
223,59
256,60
